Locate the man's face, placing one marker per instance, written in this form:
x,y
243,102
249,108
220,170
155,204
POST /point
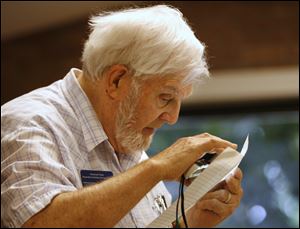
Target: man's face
x,y
147,109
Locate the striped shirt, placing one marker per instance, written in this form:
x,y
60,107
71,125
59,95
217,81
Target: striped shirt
x,y
47,137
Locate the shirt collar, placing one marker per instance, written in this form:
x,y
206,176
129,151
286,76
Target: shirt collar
x,y
92,129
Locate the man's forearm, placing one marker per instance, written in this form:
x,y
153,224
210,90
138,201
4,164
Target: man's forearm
x,y
100,205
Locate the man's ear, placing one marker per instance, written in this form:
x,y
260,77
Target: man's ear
x,y
114,76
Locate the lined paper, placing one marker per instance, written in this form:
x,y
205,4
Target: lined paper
x,y
218,170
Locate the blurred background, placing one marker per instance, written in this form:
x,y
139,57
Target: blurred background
x,y
253,54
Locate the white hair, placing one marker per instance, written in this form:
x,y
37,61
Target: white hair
x,y
150,41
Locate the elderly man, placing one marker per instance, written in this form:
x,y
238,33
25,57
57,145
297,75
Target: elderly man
x,y
73,153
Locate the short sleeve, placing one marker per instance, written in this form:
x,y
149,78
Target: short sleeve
x,y
32,173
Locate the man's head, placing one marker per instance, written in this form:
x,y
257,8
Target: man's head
x,y
147,106
147,60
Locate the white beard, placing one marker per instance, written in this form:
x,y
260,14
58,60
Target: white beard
x,y
127,136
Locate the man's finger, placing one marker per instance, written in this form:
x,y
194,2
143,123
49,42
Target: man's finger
x,y
238,174
221,142
233,185
216,206
221,195
220,185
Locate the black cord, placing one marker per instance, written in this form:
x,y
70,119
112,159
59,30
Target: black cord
x,y
182,201
181,196
177,205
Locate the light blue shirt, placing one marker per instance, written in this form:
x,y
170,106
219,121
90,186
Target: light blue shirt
x,y
47,137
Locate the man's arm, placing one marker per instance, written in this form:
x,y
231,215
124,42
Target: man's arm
x,y
104,204
99,205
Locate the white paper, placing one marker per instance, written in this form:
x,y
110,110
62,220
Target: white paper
x,y
218,170
245,146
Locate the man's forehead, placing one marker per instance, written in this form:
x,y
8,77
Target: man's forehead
x,y
170,88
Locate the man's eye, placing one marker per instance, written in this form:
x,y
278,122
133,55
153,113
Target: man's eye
x,y
165,101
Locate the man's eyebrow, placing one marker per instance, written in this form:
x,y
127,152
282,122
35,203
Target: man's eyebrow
x,y
173,89
176,91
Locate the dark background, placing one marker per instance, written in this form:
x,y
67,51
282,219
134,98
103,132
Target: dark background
x,y
237,34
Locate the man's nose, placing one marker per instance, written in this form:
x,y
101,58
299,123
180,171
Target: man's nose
x,y
171,116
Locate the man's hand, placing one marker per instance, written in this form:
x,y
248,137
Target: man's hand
x,y
176,159
217,204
